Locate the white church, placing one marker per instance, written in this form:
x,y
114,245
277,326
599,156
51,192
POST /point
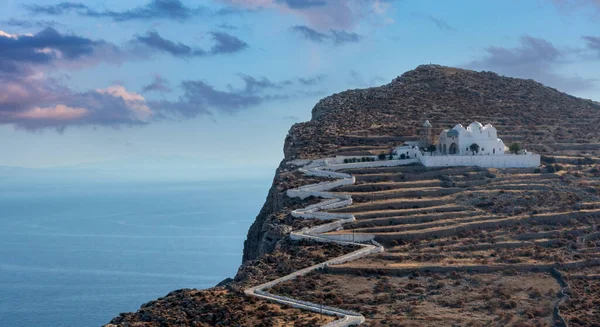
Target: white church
x,y
476,145
476,139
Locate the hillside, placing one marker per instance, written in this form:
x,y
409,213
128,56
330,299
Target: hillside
x,y
470,246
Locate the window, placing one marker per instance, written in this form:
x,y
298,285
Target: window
x,y
494,151
482,149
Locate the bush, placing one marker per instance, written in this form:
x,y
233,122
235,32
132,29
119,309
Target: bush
x,y
403,156
537,170
514,147
550,169
548,160
381,156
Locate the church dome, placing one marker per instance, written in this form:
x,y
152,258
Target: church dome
x,y
475,125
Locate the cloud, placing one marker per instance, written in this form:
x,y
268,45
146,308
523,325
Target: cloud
x,y
43,46
440,23
37,102
302,4
255,85
201,98
155,9
335,36
312,80
19,53
224,44
323,14
310,34
226,26
534,58
154,40
593,43
159,84
28,23
341,37
31,100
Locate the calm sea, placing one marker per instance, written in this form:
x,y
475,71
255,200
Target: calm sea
x,y
77,255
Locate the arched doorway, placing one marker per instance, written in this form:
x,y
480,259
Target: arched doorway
x,y
453,149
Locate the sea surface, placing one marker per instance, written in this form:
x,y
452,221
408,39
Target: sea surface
x,y
78,254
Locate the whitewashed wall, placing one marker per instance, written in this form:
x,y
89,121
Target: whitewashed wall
x,y
357,237
382,163
502,161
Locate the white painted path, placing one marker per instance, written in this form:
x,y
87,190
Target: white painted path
x,y
323,168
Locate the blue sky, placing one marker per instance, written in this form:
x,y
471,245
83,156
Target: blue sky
x,y
225,79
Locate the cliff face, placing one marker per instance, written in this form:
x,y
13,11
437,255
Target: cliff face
x,y
264,232
381,117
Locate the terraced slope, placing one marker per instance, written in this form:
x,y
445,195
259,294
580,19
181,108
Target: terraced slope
x,y
467,245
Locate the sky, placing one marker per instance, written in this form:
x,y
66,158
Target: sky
x,y
224,80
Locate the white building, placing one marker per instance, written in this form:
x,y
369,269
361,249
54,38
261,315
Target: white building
x,y
409,151
476,145
473,140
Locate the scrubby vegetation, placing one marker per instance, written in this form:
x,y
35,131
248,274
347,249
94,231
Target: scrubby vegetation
x,y
434,299
215,307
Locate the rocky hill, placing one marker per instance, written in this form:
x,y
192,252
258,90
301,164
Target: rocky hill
x,y
378,118
442,228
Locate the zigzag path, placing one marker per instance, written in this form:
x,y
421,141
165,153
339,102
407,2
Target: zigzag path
x,y
322,168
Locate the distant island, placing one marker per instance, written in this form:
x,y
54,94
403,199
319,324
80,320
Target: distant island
x,y
386,211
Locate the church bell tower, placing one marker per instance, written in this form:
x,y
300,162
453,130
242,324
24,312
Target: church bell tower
x,y
425,135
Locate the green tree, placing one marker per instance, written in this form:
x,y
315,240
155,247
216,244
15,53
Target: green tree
x,y
432,148
514,147
474,148
381,156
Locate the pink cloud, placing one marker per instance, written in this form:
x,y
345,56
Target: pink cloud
x,y
58,113
328,14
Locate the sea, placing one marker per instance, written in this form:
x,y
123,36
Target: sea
x,y
78,254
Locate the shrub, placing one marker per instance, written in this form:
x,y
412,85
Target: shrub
x,y
548,160
550,168
403,156
381,156
537,170
514,147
